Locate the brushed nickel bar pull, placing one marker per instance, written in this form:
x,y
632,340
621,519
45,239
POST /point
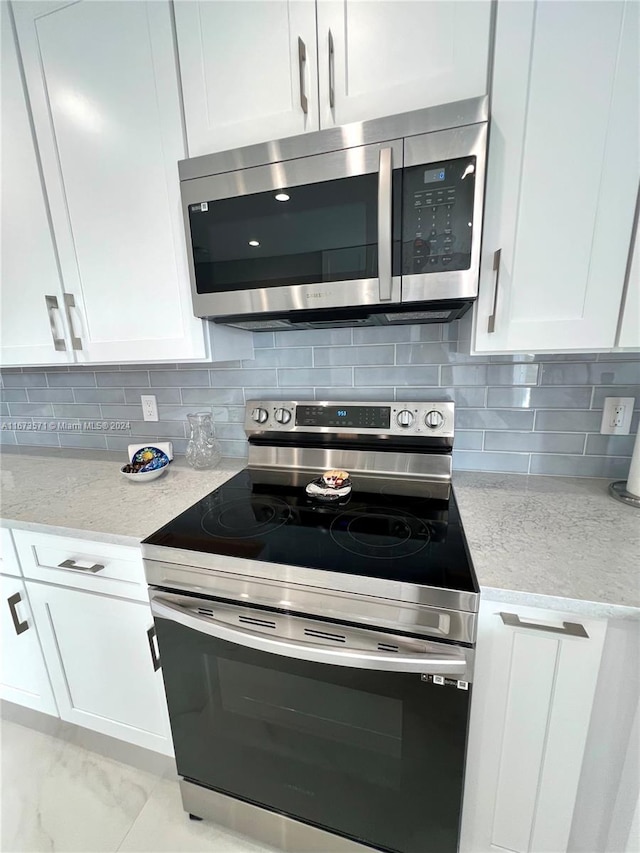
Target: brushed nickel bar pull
x,y
302,58
570,629
491,325
385,176
71,564
151,633
332,73
52,305
69,303
19,626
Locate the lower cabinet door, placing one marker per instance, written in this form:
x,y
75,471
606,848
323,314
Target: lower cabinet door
x,y
535,679
23,674
102,656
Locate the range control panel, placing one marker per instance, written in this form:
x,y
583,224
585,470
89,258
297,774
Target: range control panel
x,y
428,419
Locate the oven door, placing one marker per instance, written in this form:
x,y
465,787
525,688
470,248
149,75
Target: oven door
x,y
357,732
305,234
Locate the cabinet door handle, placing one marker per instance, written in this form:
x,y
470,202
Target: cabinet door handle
x,y
302,58
52,305
69,303
13,601
570,629
491,325
151,633
71,564
332,73
385,176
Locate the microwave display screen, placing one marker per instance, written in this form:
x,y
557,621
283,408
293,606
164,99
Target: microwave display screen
x,y
432,175
363,417
437,216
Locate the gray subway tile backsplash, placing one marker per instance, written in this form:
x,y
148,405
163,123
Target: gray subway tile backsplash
x,y
493,419
75,379
50,395
521,413
535,442
103,395
329,356
615,467
117,379
539,398
24,380
396,376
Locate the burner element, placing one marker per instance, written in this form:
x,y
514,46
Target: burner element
x,y
246,518
380,533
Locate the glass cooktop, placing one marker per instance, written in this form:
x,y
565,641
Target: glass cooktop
x,y
374,534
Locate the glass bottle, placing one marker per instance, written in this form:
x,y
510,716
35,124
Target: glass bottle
x,y
203,448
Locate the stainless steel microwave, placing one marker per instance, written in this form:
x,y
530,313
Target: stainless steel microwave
x,y
366,224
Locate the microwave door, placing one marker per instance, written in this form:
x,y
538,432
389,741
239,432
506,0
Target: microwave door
x,y
305,234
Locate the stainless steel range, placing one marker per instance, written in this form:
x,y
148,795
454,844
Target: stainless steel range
x,y
318,654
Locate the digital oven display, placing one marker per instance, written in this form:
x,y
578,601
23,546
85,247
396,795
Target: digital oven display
x,y
364,417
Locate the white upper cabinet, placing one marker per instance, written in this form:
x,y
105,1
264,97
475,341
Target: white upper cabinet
x,y
380,57
31,293
103,83
562,176
249,71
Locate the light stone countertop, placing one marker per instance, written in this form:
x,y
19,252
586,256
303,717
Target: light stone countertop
x,y
82,493
556,542
563,537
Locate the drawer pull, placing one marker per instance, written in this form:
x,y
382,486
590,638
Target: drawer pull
x,y
13,601
155,658
571,629
71,564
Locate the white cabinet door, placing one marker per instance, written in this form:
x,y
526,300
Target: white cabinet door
x,y
629,335
380,57
535,681
23,674
32,330
102,657
562,175
248,70
103,82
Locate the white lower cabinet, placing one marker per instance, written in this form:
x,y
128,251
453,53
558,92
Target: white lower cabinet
x,y
103,661
23,674
535,680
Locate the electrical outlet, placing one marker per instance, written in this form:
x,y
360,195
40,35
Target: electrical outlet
x,y
616,415
149,407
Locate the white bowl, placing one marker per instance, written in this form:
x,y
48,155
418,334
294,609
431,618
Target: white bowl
x,y
144,476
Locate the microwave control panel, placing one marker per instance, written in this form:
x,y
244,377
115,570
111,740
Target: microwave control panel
x,y
437,216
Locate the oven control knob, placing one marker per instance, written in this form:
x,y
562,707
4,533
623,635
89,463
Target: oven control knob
x,y
405,418
259,415
434,419
283,416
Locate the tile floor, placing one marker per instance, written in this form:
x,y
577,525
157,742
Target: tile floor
x,y
62,791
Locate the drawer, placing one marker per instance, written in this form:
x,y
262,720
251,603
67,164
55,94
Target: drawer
x,y
81,563
9,563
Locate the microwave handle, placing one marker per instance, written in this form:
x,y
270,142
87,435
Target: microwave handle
x,y
385,177
450,660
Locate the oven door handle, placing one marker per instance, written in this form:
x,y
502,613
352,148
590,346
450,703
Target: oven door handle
x,y
451,660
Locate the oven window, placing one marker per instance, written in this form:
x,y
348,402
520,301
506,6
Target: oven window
x,y
318,233
374,756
